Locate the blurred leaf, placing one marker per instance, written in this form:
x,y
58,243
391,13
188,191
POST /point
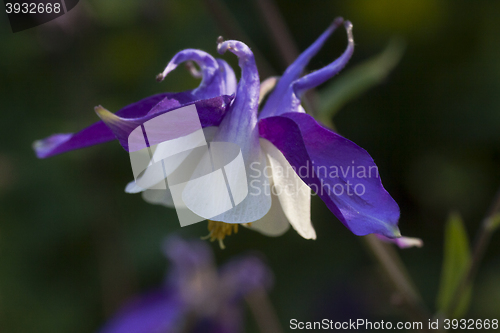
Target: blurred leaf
x,y
494,222
455,263
356,81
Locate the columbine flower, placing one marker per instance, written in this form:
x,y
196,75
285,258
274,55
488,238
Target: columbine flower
x,y
286,152
195,296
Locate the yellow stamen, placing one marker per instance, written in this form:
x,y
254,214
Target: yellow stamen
x,y
219,230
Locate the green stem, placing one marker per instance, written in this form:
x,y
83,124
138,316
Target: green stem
x,y
397,274
483,238
231,29
285,44
282,38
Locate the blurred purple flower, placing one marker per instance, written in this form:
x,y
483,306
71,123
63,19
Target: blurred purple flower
x,y
282,138
195,297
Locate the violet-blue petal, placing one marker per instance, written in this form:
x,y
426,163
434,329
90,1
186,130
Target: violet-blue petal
x,y
239,125
402,242
212,83
216,81
320,76
96,133
282,91
244,275
187,257
154,312
210,111
316,153
229,79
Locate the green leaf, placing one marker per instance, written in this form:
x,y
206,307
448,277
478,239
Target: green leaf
x,y
494,222
456,262
356,81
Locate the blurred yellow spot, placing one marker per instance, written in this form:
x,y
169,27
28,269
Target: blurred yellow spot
x,y
408,16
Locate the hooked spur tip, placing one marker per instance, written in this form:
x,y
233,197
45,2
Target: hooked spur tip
x,y
160,77
221,48
348,25
104,114
338,21
348,28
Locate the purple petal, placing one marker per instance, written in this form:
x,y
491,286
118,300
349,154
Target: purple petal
x,y
402,242
340,172
187,257
157,311
212,82
229,78
218,79
96,133
193,273
244,275
318,77
210,111
286,96
293,72
239,125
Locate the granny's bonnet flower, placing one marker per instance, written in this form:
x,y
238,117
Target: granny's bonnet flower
x,y
276,144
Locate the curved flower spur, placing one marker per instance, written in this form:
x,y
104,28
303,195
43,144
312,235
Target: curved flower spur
x,y
286,152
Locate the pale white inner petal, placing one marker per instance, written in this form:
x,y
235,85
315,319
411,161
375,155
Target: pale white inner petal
x,y
293,194
274,223
258,201
151,179
158,197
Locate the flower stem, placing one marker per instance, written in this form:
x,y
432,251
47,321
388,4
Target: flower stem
x,y
399,277
231,29
280,33
285,44
488,227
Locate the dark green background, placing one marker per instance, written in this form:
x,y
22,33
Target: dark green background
x,y
74,246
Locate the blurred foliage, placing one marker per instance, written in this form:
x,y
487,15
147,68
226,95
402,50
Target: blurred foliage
x,y
74,246
354,82
457,257
493,222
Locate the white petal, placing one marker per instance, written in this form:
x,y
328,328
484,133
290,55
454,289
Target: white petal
x,y
274,223
150,178
158,197
258,201
132,187
294,195
218,182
